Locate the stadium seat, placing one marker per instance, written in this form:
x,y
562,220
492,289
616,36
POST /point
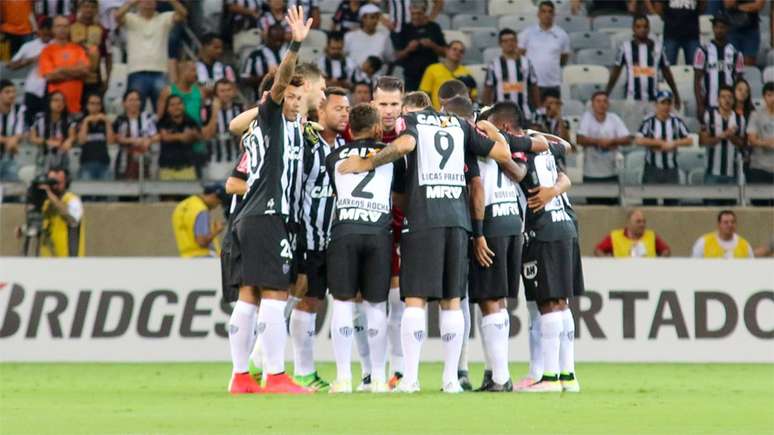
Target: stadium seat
x,y
478,70
696,177
9,74
19,84
27,155
516,22
770,57
578,74
682,74
618,38
573,23
633,120
608,22
317,39
573,108
584,91
768,74
656,25
309,54
759,103
454,7
326,21
595,56
444,21
246,41
491,54
581,40
469,20
473,55
753,74
483,39
692,124
705,24
632,171
329,6
26,173
508,7
689,159
563,8
456,35
756,88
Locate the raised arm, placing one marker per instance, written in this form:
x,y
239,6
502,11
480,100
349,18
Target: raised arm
x,y
242,121
299,29
121,12
181,13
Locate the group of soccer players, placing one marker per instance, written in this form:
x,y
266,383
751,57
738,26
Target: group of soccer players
x,y
318,195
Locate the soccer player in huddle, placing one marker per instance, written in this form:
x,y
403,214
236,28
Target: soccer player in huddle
x,y
360,249
436,226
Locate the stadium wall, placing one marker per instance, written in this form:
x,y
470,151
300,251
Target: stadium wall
x,y
165,309
132,230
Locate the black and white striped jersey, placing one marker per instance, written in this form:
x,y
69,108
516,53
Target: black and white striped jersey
x,y
274,164
318,202
260,61
719,66
400,14
511,80
267,20
336,69
207,75
306,4
224,147
242,22
643,61
502,198
12,124
359,76
142,126
670,129
721,157
547,124
52,8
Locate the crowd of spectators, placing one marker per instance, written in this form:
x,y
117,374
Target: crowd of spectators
x,y
70,49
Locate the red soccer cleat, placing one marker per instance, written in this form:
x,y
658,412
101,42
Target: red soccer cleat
x,y
282,384
243,383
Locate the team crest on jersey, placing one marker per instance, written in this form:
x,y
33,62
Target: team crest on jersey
x,y
530,270
448,337
270,205
346,331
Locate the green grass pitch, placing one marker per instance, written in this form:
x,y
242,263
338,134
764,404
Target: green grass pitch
x,y
192,398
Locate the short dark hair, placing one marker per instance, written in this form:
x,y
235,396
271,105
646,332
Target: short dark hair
x,y
388,83
725,212
335,36
638,17
725,87
550,93
131,91
376,62
335,90
598,93
459,106
81,2
45,23
417,99
548,3
5,83
451,89
221,82
297,80
363,117
507,111
456,41
505,32
209,37
768,87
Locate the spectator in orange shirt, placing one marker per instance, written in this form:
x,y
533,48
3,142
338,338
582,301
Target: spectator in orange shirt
x,y
16,22
64,65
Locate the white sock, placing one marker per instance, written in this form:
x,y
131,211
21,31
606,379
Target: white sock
x,y
413,328
479,317
257,354
377,339
463,364
342,331
550,328
393,330
452,324
360,323
535,351
273,334
291,304
495,334
240,334
567,343
302,332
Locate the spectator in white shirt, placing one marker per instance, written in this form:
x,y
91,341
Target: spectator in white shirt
x,y
724,242
27,57
600,133
547,46
367,41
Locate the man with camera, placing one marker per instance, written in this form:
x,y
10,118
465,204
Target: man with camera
x,y
62,230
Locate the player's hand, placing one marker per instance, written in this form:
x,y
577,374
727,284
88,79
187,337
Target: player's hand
x,y
217,227
354,165
216,105
413,45
542,196
299,27
482,252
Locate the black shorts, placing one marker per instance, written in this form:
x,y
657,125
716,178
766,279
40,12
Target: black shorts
x,y
501,279
360,263
229,273
315,266
434,263
264,251
552,270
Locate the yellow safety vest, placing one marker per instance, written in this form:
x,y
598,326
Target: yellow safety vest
x,y
59,239
622,245
183,222
712,248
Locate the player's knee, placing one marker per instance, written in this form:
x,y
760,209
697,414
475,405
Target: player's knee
x,y
489,306
249,294
308,305
450,304
414,302
280,295
551,305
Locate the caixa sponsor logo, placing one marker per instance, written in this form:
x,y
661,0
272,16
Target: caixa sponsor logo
x,y
111,313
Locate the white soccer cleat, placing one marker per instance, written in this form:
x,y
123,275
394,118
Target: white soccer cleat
x,y
379,387
571,386
404,387
365,385
340,387
543,387
453,387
